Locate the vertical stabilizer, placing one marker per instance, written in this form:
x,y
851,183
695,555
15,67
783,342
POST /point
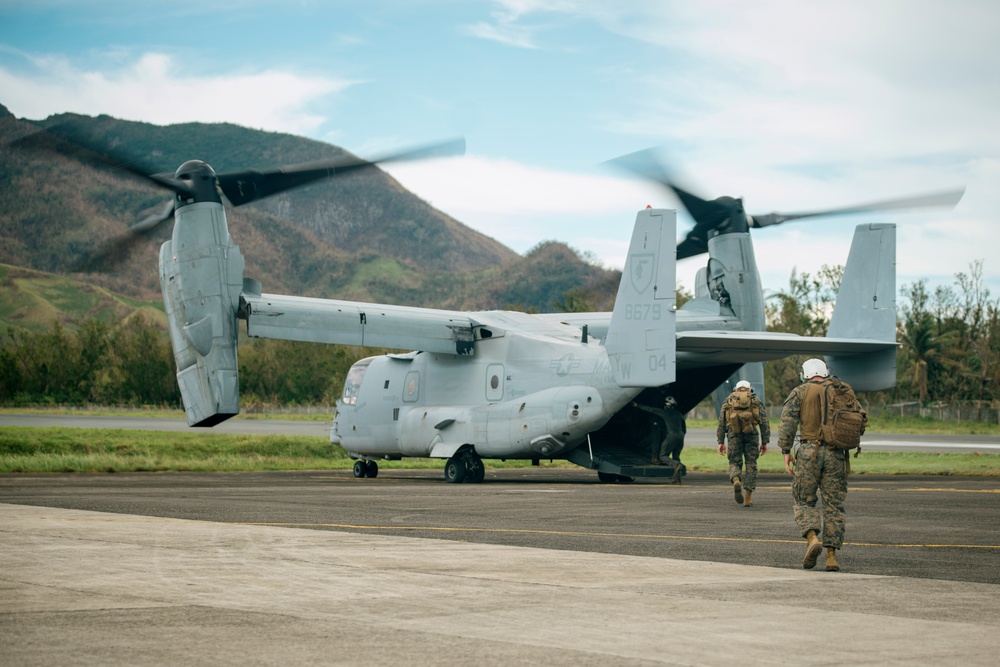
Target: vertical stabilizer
x,y
642,336
866,308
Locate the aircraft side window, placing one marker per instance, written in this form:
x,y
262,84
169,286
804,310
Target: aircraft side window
x,y
494,382
411,387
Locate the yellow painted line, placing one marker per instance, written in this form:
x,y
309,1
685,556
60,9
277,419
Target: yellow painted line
x,y
526,531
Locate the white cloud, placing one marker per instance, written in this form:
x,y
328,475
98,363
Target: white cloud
x,y
520,205
153,89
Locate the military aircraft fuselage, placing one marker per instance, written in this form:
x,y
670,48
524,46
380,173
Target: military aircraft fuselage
x,y
524,395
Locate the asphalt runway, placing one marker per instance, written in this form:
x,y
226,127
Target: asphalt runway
x,y
931,527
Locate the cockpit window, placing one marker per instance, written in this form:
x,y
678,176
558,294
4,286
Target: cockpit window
x,y
353,383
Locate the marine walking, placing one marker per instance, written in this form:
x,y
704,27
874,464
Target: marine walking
x,y
742,414
819,461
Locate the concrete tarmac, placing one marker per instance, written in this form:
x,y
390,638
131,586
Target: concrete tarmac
x,y
140,586
110,589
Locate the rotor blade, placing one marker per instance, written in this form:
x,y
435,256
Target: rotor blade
x,y
61,139
691,246
645,164
161,214
648,164
243,187
949,198
108,256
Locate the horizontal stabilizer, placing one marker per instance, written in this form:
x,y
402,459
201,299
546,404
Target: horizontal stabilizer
x,y
713,348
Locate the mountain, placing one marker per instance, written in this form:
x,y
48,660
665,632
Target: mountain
x,y
361,236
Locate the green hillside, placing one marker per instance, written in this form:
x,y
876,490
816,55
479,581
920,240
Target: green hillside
x,y
33,300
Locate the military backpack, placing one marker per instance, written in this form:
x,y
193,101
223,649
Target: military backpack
x,y
742,417
843,419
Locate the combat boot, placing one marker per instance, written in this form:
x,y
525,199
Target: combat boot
x,y
813,549
831,560
737,490
748,498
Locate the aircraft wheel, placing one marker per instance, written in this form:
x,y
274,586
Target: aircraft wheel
x,y
371,469
606,477
360,468
454,471
624,480
476,470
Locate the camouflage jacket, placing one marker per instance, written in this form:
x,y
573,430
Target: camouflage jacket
x,y
791,417
755,404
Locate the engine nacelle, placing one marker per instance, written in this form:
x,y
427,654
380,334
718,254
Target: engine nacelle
x,y
201,275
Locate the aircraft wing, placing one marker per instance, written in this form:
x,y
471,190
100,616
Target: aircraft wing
x,y
354,323
712,348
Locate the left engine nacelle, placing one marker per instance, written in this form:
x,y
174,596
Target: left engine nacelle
x,y
201,275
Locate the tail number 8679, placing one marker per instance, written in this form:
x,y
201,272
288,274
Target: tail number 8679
x,y
642,311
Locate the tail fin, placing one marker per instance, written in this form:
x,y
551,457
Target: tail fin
x,y
866,308
642,336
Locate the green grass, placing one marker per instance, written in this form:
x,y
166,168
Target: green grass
x,y
24,449
705,459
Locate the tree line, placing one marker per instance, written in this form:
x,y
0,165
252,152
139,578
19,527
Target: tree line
x,y
949,352
131,364
949,337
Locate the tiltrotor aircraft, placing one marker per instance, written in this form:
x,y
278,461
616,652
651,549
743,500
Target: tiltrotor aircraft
x,y
509,385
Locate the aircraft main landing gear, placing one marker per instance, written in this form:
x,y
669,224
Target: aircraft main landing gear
x,y
465,466
365,469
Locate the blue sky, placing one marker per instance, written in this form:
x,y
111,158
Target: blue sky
x,y
791,105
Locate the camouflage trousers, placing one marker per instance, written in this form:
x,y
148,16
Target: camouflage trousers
x,y
820,468
744,448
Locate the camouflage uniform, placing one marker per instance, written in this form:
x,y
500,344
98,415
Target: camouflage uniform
x,y
744,447
817,467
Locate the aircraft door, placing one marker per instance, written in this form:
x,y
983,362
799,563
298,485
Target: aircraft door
x,y
494,382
